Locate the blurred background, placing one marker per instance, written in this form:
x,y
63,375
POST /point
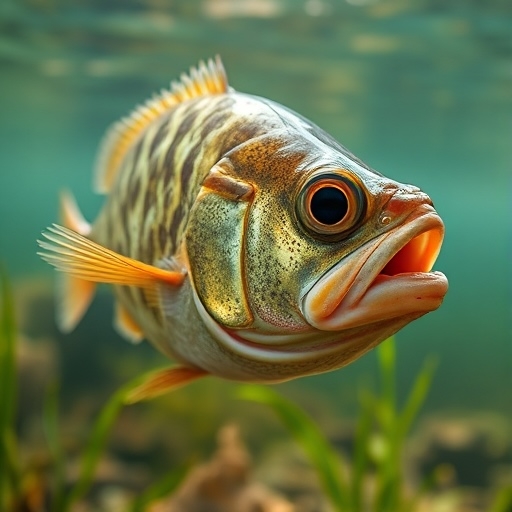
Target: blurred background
x,y
421,90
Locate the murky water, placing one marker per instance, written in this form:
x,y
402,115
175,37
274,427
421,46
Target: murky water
x,y
420,90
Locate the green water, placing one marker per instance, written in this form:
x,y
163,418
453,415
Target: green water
x,y
420,90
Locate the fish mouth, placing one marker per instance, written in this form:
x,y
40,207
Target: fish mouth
x,y
387,278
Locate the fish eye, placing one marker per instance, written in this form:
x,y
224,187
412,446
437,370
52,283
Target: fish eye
x,y
330,205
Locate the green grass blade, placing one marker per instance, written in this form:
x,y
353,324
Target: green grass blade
x,y
503,500
7,357
361,460
10,484
392,497
11,490
417,396
52,434
95,447
386,353
395,427
160,489
388,475
97,441
322,456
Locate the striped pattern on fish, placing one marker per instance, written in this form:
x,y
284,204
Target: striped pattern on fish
x,y
159,180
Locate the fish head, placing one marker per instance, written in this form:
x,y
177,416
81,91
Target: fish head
x,y
302,259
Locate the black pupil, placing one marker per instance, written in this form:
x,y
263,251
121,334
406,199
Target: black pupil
x,y
329,205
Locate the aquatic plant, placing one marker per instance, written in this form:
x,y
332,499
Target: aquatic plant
x,y
20,492
380,434
10,481
91,454
503,500
95,447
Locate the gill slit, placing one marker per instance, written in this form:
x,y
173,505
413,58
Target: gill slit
x,y
243,262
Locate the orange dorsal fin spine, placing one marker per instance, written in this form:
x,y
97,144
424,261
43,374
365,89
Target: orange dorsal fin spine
x,y
164,381
74,295
74,254
206,79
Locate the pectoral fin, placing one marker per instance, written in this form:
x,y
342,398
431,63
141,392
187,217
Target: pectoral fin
x,y
80,257
164,381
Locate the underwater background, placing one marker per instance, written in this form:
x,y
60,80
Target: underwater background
x,y
421,90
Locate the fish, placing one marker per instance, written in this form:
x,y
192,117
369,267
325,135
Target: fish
x,y
243,241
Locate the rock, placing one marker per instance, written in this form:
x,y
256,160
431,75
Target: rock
x,y
224,484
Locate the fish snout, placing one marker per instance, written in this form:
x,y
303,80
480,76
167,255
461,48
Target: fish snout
x,y
404,200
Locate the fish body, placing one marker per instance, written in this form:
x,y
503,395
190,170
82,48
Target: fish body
x,y
245,242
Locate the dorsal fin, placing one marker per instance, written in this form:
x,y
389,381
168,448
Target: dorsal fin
x,y
206,79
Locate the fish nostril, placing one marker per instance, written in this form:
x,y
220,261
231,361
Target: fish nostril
x,y
425,198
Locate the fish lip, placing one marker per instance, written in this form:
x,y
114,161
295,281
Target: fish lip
x,y
368,286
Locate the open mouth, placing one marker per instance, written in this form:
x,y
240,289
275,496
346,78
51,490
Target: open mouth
x,y
388,277
418,255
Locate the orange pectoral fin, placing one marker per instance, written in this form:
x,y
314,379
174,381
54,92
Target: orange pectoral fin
x,y
75,254
164,381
